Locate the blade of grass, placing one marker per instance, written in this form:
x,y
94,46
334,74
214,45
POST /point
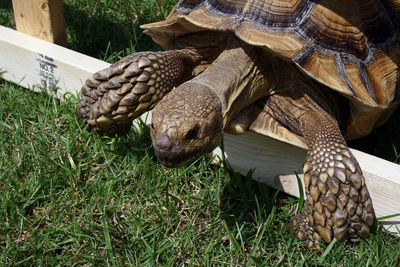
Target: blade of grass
x,y
326,251
107,239
387,217
301,192
234,242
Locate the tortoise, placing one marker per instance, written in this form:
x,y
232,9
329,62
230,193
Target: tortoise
x,y
323,71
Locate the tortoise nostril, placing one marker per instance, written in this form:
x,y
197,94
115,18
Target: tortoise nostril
x,y
163,142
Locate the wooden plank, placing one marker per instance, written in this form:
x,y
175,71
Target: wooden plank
x,y
275,164
32,63
42,19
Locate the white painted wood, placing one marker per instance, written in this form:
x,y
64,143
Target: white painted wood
x,y
33,63
275,164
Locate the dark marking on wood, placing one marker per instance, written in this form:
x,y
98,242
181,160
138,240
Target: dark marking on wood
x,y
47,72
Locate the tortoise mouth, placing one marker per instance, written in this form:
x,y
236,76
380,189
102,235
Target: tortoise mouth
x,y
179,156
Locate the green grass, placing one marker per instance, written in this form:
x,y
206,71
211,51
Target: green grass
x,y
69,197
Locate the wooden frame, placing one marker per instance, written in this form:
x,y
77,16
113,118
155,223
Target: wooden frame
x,y
43,19
34,63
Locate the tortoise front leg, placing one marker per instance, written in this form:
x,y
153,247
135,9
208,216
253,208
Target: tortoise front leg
x,y
334,183
112,98
338,203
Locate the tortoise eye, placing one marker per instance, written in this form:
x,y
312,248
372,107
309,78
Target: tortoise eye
x,y
192,133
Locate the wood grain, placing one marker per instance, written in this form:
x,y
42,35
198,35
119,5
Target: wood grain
x,y
43,19
33,63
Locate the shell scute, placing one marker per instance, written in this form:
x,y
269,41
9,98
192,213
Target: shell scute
x,y
350,46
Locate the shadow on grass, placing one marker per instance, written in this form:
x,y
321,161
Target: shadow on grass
x,y
137,142
6,14
244,200
6,4
99,33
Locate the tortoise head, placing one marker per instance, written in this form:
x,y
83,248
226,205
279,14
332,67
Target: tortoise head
x,y
186,124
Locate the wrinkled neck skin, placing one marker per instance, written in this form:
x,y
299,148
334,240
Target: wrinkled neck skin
x,y
237,77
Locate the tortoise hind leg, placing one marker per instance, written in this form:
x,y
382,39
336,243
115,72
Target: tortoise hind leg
x,y
113,97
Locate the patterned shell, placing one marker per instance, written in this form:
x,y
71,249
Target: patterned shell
x,y
351,46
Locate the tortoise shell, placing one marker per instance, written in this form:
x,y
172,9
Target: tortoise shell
x,y
350,46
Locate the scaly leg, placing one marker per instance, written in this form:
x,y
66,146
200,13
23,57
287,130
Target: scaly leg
x,y
338,203
334,184
113,97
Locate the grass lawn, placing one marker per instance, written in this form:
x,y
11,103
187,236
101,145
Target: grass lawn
x,y
69,197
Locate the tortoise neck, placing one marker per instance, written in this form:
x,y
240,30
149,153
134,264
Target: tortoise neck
x,y
235,78
201,48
